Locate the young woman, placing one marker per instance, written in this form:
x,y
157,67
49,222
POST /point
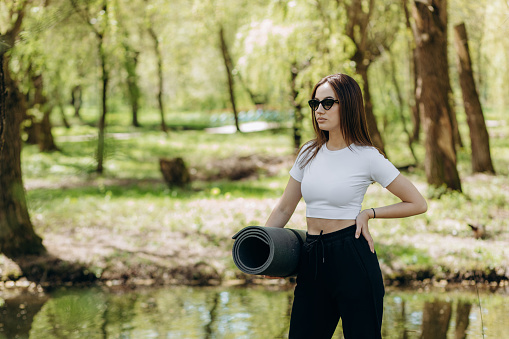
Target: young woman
x,y
339,274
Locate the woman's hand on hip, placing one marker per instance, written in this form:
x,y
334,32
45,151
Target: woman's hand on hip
x,y
362,228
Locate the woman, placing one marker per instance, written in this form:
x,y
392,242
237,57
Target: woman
x,y
339,276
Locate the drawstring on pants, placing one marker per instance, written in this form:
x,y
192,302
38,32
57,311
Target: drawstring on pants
x,y
309,247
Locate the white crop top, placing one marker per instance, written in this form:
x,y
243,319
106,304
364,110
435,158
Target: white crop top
x,y
333,184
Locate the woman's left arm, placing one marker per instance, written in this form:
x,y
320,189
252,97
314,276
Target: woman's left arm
x,y
412,203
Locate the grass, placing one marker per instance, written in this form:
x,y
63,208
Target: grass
x,y
128,220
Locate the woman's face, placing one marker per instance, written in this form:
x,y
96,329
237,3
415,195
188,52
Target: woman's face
x,y
327,120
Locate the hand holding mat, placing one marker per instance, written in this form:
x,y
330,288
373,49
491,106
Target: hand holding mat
x,y
268,250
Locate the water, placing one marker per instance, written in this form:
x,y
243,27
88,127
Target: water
x,y
228,312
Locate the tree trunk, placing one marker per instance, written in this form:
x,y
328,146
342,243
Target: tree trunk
x,y
435,319
133,90
175,172
45,138
160,77
229,69
416,114
76,100
259,99
17,236
357,29
57,98
297,117
462,319
18,240
400,109
104,109
62,113
404,330
443,13
31,128
2,101
213,314
430,36
374,133
479,138
456,136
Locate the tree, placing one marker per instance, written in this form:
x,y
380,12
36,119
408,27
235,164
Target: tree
x,y
430,36
228,65
295,69
462,319
474,15
99,26
76,100
479,138
435,319
131,26
400,103
296,44
417,86
41,103
32,71
18,239
56,93
17,235
415,106
367,48
131,63
160,75
225,19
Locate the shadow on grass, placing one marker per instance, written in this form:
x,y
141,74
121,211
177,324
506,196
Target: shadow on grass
x,y
239,189
98,188
155,188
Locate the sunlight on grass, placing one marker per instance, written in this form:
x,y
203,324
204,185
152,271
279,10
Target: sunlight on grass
x,y
130,207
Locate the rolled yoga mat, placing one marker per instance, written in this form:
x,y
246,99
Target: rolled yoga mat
x,y
268,251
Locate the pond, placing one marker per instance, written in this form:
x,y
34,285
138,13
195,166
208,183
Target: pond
x,y
236,312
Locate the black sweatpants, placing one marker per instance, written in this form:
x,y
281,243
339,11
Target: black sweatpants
x,y
339,277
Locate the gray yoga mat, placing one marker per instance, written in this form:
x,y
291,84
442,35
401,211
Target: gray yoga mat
x,y
268,250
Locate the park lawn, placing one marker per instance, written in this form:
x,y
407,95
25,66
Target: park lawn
x,y
130,228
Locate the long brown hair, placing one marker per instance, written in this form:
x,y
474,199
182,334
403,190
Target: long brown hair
x,y
352,117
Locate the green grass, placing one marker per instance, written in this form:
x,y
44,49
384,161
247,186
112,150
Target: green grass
x,y
134,152
130,203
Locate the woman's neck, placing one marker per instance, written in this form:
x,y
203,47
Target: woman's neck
x,y
336,142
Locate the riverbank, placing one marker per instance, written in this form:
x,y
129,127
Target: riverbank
x,y
128,228
141,233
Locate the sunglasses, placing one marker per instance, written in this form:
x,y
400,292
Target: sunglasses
x,y
327,103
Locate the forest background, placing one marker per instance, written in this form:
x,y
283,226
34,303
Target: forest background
x,y
95,93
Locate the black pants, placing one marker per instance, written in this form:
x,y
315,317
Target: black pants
x,y
339,277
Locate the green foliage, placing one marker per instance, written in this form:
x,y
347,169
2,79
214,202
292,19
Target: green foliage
x,y
404,255
65,197
268,39
85,309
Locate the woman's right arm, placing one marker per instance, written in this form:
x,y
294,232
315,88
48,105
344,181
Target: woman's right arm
x,y
286,205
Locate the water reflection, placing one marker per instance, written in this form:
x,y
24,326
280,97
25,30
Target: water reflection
x,y
183,312
17,314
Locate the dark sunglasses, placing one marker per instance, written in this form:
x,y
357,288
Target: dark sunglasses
x,y
327,103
